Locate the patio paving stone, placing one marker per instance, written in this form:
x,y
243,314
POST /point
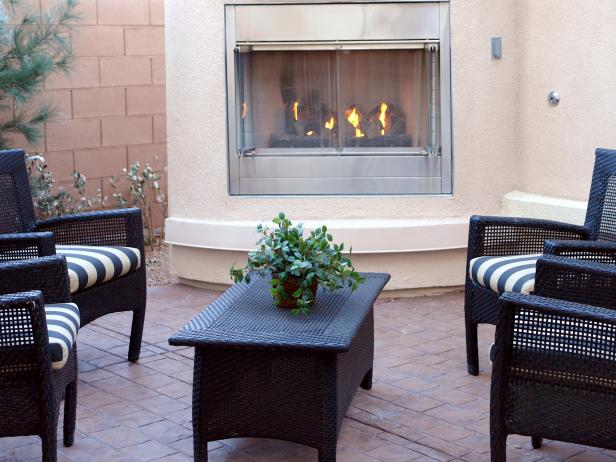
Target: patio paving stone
x,y
423,405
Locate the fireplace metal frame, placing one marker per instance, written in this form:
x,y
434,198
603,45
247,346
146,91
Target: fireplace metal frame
x,y
382,171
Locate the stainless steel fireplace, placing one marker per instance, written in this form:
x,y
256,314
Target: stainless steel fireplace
x,y
338,98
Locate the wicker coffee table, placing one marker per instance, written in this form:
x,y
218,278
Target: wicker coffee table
x,y
262,372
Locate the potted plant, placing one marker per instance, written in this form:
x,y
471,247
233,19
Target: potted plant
x,y
298,264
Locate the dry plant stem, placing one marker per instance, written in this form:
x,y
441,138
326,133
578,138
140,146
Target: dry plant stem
x,y
146,192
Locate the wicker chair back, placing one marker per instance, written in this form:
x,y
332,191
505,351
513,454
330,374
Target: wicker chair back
x,y
16,210
601,212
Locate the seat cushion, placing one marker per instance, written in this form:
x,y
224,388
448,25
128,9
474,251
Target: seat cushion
x,y
515,273
91,265
62,327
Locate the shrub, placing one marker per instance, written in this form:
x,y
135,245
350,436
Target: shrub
x,y
49,202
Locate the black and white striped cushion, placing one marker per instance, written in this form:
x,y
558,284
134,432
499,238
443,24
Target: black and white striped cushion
x,y
62,327
515,273
91,265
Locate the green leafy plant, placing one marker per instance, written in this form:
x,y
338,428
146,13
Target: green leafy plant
x,y
146,192
32,46
50,201
299,262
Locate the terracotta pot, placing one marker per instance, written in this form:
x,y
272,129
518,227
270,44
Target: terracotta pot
x,y
290,286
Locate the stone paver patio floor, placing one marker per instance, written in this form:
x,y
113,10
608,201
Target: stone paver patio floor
x,y
423,405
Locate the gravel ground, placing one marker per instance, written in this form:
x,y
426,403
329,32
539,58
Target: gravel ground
x,y
157,267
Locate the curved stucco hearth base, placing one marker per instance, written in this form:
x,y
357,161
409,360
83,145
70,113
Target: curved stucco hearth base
x,y
417,253
415,270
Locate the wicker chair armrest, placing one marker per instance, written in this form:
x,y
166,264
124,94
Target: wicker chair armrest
x,y
47,274
553,341
580,281
512,302
123,227
601,251
34,301
29,361
21,246
516,236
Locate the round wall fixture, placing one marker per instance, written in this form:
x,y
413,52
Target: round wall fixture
x,y
554,98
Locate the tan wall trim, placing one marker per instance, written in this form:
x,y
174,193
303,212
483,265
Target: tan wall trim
x,y
523,204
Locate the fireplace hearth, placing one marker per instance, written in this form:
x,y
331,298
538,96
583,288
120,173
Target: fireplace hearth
x,y
362,90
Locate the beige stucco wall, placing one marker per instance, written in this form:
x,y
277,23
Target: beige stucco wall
x,y
196,98
111,107
568,46
505,135
198,170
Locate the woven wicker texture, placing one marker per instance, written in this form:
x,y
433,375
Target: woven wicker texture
x,y
607,224
31,391
47,274
16,209
576,280
10,221
554,374
26,245
102,228
500,236
245,315
262,372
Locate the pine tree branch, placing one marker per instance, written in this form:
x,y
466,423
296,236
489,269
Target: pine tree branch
x,y
30,50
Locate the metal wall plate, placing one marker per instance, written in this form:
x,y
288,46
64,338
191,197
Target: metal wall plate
x,y
497,47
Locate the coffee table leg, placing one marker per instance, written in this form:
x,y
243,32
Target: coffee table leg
x,y
328,453
199,418
366,382
200,449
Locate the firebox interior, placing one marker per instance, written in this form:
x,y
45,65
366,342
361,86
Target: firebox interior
x,y
327,101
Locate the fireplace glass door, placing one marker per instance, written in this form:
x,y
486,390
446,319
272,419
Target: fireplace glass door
x,y
338,102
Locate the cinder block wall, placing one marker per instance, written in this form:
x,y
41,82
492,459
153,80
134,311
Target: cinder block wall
x,y
111,108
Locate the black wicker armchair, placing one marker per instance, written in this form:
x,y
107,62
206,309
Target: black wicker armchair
x,y
38,357
104,249
502,251
554,374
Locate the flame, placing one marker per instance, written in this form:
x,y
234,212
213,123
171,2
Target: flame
x,y
244,110
329,124
294,109
382,118
310,133
353,117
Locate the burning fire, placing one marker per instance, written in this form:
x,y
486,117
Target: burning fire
x,y
244,110
382,118
310,133
329,124
353,117
294,109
